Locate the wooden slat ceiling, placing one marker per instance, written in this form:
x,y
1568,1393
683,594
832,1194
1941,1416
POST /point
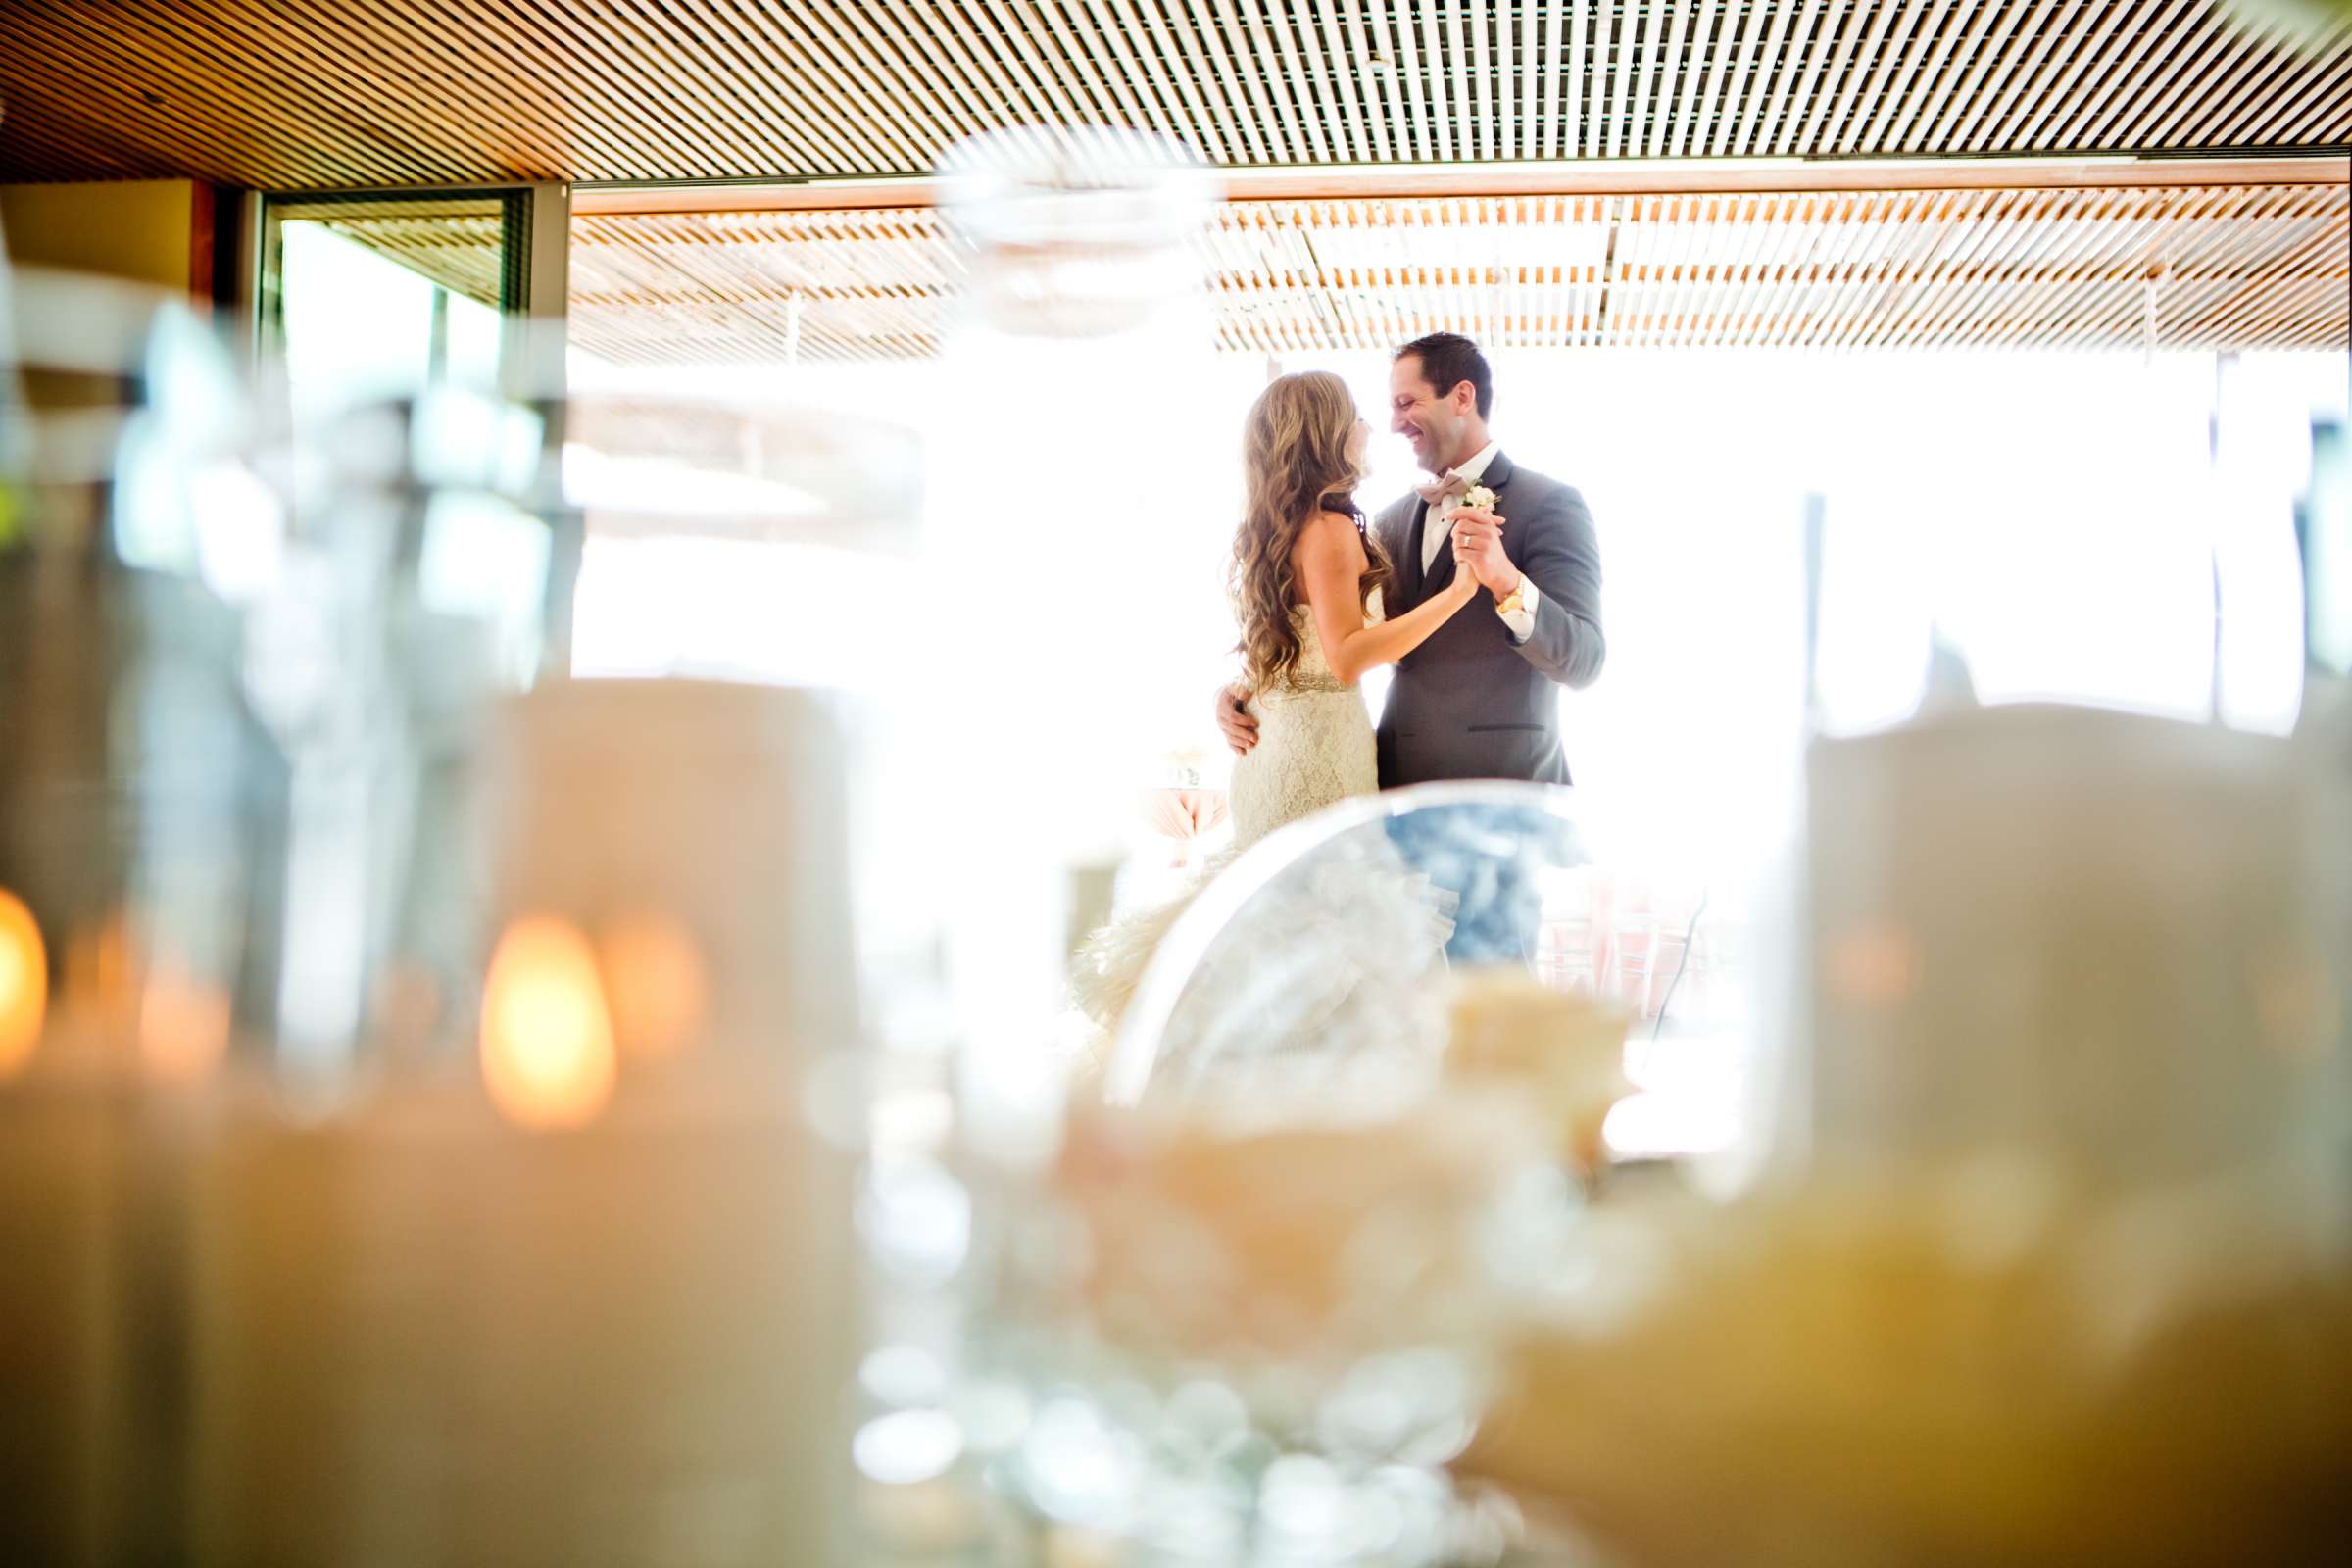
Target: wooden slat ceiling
x,y
460,252
2215,268
292,94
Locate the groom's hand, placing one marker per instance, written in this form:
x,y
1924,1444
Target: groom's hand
x,y
1241,730
1478,547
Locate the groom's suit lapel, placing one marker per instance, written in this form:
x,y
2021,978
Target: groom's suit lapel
x,y
1410,566
1498,474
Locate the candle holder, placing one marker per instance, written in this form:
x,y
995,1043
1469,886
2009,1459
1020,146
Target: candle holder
x,y
575,1278
126,893
410,1148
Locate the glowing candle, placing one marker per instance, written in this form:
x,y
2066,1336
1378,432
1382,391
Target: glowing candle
x,y
546,1034
24,984
601,1304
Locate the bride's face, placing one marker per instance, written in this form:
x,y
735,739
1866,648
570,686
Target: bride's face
x,y
1359,437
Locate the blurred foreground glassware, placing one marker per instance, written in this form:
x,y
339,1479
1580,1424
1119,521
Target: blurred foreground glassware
x,y
1240,1312
124,892
1069,364
2052,1262
576,1281
410,1148
1018,722
2049,1259
530,1245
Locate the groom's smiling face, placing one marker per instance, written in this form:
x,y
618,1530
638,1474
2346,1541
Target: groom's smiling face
x,y
1431,422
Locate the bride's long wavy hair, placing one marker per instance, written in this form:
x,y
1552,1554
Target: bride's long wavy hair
x,y
1295,457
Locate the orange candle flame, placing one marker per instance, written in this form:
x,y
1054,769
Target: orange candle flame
x,y
24,984
547,1035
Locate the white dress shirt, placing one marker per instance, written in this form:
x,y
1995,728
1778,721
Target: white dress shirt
x,y
1440,528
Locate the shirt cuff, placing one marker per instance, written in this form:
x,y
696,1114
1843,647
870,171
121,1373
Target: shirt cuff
x,y
1522,621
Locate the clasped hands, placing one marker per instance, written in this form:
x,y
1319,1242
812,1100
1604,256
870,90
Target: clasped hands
x,y
1478,550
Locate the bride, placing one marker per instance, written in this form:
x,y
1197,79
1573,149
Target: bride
x,y
1306,577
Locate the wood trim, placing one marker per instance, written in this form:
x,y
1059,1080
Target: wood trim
x,y
203,206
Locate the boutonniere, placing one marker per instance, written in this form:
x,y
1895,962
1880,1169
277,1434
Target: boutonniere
x,y
1477,496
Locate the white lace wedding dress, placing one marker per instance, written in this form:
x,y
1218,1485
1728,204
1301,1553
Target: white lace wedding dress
x,y
1314,743
1314,747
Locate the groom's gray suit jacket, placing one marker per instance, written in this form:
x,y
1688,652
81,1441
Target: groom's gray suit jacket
x,y
1473,702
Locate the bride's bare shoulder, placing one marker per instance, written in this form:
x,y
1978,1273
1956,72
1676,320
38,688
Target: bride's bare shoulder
x,y
1328,535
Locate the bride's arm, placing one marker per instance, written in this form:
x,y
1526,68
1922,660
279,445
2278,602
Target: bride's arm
x,y
1331,559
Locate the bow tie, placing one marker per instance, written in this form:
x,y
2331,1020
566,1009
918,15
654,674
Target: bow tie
x,y
1453,484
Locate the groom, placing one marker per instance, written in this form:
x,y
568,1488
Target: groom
x,y
1476,700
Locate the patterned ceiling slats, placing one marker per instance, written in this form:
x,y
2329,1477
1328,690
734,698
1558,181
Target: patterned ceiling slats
x,y
298,94
2224,266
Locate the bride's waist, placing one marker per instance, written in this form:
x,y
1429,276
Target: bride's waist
x,y
1296,686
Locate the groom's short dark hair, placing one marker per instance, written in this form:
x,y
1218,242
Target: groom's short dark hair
x,y
1448,360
